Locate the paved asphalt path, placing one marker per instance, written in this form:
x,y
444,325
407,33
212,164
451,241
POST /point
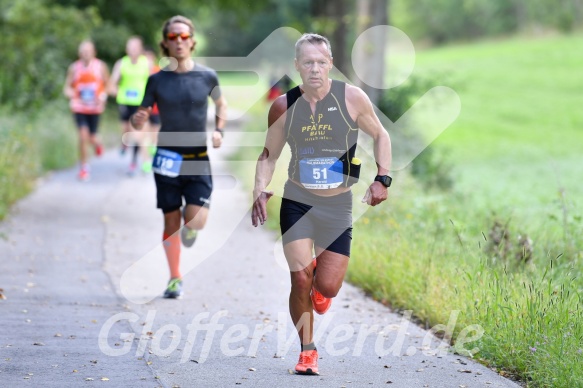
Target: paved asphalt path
x,y
82,270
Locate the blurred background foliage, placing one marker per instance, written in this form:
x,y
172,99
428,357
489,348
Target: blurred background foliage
x,y
40,37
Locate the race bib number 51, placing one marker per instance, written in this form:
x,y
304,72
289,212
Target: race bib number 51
x,y
321,173
167,163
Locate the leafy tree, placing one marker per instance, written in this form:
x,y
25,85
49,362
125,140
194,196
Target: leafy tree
x,y
39,41
143,18
131,17
335,18
236,32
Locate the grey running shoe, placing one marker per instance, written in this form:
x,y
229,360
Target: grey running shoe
x,y
132,169
188,236
174,289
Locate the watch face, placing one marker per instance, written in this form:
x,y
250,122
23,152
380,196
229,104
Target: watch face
x,y
384,179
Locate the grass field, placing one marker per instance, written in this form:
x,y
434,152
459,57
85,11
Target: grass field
x,y
516,157
519,132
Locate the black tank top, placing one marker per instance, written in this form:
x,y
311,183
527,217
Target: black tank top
x,y
322,144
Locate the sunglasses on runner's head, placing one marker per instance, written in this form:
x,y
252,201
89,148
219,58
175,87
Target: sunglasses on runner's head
x,y
174,36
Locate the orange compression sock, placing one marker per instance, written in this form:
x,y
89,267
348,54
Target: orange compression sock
x,y
172,247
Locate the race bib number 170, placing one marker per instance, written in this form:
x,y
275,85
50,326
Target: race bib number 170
x,y
321,173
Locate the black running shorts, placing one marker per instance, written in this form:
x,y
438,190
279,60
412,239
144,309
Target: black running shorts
x,y
89,121
126,111
154,119
195,189
326,220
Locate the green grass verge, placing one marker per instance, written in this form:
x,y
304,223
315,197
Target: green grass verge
x,y
516,152
32,143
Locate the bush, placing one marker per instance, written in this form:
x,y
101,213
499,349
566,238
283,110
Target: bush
x,y
32,144
431,167
18,162
39,41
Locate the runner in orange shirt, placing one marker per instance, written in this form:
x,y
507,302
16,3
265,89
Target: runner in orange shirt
x,y
85,88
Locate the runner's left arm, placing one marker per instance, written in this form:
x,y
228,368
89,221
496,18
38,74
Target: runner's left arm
x,y
370,124
220,120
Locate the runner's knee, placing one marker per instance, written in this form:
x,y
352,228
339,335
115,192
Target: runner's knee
x,y
327,288
301,280
84,133
195,216
172,222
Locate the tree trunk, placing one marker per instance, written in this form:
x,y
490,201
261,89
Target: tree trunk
x,y
333,18
339,36
521,15
371,57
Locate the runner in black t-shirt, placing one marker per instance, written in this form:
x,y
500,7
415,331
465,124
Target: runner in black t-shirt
x,y
181,164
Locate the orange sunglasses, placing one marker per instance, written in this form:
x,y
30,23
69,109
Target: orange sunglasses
x,y
174,36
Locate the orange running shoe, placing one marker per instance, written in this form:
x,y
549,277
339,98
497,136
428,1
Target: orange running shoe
x,y
98,149
308,363
320,302
83,175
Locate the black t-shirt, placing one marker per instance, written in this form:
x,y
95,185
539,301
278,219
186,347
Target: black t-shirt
x,y
182,100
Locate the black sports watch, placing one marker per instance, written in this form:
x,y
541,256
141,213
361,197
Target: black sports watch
x,y
384,179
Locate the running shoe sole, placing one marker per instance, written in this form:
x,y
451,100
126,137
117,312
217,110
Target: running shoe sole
x,y
308,372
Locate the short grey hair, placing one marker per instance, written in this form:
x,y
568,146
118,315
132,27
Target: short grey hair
x,y
313,39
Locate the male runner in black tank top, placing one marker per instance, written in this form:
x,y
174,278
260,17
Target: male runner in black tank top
x,y
320,121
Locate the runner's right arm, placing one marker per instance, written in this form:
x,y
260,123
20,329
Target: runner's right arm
x,y
105,73
274,143
114,80
105,77
138,119
68,90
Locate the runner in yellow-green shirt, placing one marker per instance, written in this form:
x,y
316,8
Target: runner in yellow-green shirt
x,y
127,84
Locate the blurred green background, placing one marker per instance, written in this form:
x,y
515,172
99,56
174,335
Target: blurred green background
x,y
487,221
